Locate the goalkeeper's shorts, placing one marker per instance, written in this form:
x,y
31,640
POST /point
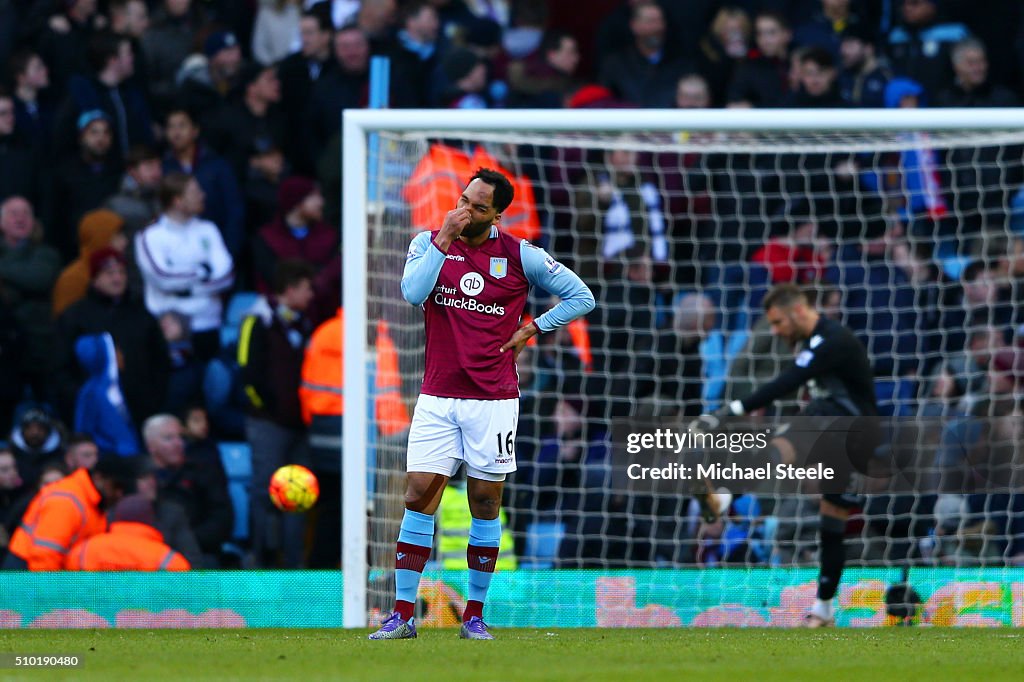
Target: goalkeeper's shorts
x,y
844,441
446,432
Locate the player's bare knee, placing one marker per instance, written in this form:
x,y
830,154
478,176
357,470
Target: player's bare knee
x,y
421,491
484,506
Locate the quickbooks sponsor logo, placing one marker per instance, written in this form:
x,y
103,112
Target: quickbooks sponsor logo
x,y
470,304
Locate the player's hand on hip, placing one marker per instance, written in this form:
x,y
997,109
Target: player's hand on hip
x,y
520,338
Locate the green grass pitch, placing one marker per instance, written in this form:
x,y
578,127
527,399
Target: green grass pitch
x,y
528,654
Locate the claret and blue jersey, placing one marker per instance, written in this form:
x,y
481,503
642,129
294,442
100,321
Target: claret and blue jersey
x,y
473,299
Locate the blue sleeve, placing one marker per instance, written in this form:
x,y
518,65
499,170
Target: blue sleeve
x,y
545,272
422,266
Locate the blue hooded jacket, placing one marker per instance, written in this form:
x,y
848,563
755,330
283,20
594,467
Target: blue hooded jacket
x,y
100,410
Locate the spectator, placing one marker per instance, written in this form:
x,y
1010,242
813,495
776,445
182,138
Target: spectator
x,y
919,48
762,79
69,509
627,318
266,168
800,256
545,78
136,201
625,210
33,108
11,489
130,19
199,487
909,180
721,50
140,344
185,264
827,27
466,75
232,129
271,349
972,88
878,299
673,366
166,45
138,204
131,543
692,92
64,43
298,73
186,154
416,52
344,86
276,31
80,452
99,229
171,519
185,381
207,79
110,91
100,410
199,442
83,181
818,88
862,75
298,232
322,406
20,171
12,366
644,72
28,270
36,441
376,20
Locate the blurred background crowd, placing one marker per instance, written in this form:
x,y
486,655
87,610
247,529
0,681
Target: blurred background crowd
x,y
169,242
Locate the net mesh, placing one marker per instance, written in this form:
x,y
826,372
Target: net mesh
x,y
909,238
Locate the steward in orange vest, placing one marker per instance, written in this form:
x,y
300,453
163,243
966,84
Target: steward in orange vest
x,y
322,392
67,511
131,544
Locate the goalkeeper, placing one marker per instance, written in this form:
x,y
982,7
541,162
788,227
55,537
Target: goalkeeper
x,y
834,366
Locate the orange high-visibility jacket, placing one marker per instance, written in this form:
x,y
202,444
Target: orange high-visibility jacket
x,y
61,514
323,377
323,372
127,546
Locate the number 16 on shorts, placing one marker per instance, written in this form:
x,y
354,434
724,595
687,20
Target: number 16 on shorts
x,y
446,432
506,447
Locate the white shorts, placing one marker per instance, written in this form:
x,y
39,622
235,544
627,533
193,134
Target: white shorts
x,y
446,432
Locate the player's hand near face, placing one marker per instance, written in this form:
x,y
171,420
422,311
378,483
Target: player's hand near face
x,y
519,339
454,223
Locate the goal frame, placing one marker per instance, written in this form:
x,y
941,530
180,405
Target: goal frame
x,y
358,124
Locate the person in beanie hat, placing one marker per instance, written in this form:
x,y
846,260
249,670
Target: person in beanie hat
x,y
142,351
299,231
100,229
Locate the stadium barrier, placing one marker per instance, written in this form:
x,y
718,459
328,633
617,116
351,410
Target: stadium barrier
x,y
738,597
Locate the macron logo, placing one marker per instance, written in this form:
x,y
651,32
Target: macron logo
x,y
400,556
455,257
484,560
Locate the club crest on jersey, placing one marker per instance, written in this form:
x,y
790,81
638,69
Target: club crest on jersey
x,y
499,267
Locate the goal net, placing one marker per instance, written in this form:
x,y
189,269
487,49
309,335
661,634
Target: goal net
x,y
906,226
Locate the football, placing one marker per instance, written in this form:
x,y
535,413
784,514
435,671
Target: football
x,y
294,488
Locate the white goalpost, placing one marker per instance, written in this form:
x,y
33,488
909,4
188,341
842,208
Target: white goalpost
x,y
697,194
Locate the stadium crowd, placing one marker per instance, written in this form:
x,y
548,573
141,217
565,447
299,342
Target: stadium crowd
x,y
169,202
